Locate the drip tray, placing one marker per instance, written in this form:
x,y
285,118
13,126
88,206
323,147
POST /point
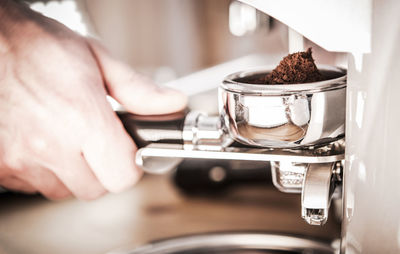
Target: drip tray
x,y
234,243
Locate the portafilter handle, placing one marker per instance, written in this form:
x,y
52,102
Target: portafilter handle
x,y
145,130
185,131
192,129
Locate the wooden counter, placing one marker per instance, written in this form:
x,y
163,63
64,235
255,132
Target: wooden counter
x,y
153,209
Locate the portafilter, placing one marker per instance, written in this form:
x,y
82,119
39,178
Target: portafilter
x,y
298,128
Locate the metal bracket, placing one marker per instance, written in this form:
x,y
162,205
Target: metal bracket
x,y
147,156
313,172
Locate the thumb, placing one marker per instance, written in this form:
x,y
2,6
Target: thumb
x,y
137,93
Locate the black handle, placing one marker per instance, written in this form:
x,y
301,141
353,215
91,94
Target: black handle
x,y
154,129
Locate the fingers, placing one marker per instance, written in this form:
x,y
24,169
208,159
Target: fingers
x,y
110,153
74,177
15,184
39,180
77,178
135,92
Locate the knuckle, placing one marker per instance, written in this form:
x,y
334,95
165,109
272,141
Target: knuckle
x,y
37,145
12,160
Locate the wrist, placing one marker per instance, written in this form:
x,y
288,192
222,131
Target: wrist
x,y
11,14
17,23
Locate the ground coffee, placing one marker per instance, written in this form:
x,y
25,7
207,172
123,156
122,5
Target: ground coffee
x,y
294,69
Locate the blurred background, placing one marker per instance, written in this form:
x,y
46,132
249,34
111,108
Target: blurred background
x,y
167,39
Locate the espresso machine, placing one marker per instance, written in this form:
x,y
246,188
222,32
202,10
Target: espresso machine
x,y
334,138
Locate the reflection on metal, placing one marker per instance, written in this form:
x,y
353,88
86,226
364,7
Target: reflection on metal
x,y
318,186
283,115
239,243
204,132
245,19
288,176
174,151
156,164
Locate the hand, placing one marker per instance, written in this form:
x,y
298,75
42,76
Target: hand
x,y
58,134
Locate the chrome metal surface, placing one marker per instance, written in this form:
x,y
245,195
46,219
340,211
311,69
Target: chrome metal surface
x,y
204,132
239,243
154,158
283,115
318,186
288,176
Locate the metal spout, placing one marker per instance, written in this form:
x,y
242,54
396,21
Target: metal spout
x,y
318,187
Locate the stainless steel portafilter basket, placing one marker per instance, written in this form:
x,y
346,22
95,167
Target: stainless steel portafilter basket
x,y
283,116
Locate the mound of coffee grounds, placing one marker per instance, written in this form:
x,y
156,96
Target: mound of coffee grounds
x,y
294,69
